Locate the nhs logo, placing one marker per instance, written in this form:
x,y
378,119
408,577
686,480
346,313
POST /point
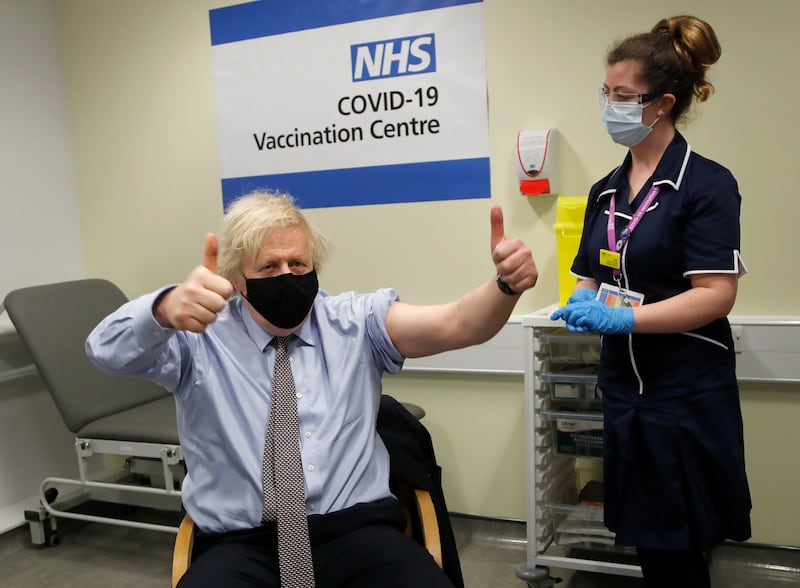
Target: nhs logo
x,y
393,57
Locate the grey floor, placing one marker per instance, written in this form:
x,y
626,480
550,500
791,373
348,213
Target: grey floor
x,y
93,555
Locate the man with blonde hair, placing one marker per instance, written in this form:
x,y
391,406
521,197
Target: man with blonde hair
x,y
213,341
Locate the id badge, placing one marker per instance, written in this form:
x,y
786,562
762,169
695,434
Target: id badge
x,y
615,297
609,258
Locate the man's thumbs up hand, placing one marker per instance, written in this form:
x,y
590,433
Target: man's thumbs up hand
x,y
194,304
210,253
511,257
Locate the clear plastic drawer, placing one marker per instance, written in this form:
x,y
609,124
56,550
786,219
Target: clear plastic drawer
x,y
563,346
575,433
574,386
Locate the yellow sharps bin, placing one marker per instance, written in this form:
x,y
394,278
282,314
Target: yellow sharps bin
x,y
568,227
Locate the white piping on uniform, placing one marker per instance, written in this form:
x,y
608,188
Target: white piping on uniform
x,y
581,277
677,183
706,339
738,261
633,364
684,165
628,217
739,268
624,255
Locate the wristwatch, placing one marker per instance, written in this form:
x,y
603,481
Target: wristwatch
x,y
504,287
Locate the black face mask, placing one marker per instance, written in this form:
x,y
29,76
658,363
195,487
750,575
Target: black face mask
x,y
283,300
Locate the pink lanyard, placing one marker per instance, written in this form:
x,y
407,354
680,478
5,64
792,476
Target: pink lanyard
x,y
617,245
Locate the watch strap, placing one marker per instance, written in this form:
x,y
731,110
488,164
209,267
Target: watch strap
x,y
504,287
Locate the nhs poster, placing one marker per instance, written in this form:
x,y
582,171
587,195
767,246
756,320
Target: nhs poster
x,y
349,102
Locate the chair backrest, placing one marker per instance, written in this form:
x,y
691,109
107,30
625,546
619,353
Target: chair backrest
x,y
53,321
412,463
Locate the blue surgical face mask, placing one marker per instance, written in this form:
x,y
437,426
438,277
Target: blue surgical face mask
x,y
623,122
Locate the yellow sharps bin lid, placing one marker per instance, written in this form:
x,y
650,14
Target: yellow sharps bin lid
x,y
570,211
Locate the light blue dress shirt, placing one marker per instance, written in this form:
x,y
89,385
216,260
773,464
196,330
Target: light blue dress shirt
x,y
222,383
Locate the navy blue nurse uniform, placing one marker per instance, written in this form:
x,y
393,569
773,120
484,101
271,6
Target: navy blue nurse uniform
x,y
674,471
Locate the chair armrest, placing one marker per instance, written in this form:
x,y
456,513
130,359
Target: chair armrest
x,y
182,553
429,524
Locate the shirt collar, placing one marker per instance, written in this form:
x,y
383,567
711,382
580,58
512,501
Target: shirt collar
x,y
669,172
263,338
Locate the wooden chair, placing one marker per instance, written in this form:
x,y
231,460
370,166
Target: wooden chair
x,y
417,505
414,478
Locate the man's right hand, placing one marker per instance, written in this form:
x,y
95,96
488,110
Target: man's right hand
x,y
194,304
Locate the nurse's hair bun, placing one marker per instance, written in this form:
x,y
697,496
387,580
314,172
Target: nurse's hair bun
x,y
674,57
696,46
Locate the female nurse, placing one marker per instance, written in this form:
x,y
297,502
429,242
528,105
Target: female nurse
x,y
657,270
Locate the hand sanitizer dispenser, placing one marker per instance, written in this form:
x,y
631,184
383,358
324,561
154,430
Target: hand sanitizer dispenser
x,y
535,166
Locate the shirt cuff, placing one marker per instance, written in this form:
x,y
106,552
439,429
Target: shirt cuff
x,y
144,325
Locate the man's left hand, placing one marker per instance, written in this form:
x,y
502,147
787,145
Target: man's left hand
x,y
511,257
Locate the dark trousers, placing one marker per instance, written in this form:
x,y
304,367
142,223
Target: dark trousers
x,y
359,547
667,568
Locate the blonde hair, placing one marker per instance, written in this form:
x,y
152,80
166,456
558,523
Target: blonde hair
x,y
248,220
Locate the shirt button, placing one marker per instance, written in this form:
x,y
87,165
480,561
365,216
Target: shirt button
x,y
298,395
307,434
311,467
312,506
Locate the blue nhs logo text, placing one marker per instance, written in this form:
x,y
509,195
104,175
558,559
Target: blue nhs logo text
x,y
393,57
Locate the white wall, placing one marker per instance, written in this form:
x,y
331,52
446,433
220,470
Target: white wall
x,y
39,235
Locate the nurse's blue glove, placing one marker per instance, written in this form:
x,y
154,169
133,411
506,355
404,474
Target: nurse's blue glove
x,y
582,295
596,317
